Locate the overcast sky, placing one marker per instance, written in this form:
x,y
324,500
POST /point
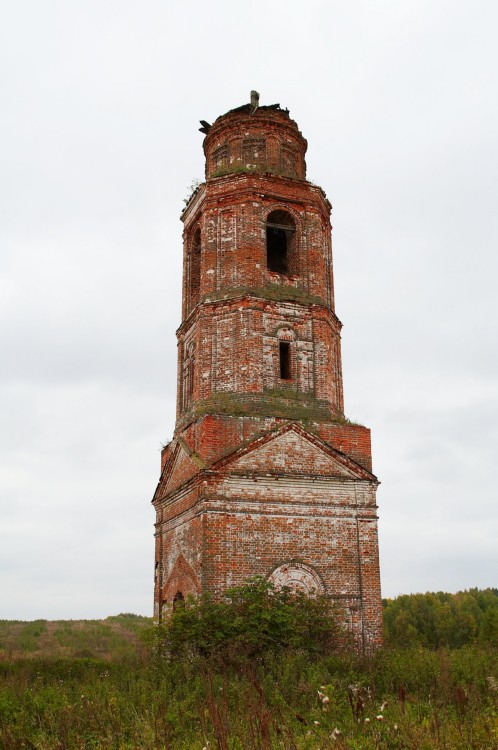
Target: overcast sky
x,y
99,142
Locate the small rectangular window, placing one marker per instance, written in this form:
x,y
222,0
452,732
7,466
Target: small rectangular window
x,y
285,363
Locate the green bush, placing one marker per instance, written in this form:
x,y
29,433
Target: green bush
x,y
251,620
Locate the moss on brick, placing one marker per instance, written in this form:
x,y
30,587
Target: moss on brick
x,y
289,404
274,292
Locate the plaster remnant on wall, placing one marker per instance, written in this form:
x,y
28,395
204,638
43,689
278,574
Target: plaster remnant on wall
x,y
297,577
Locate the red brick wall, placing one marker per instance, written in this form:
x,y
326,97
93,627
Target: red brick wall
x,y
236,345
264,140
231,213
242,490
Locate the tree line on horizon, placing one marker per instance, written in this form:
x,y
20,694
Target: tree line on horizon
x,y
441,620
432,620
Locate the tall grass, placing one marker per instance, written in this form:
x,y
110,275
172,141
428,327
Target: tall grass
x,y
396,699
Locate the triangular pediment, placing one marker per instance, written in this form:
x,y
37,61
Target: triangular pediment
x,y
292,450
182,465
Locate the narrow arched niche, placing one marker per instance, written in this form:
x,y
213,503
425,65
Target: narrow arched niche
x,y
194,270
280,242
188,375
286,357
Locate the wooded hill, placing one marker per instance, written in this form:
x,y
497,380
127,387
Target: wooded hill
x,y
439,619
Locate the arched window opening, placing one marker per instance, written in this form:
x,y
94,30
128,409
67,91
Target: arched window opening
x,y
280,231
195,270
285,360
178,600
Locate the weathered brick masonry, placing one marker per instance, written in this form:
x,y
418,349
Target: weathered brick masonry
x,y
264,475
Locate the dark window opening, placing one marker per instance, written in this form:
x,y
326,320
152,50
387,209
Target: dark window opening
x,y
276,250
178,600
280,230
285,361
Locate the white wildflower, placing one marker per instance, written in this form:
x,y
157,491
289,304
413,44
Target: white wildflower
x,y
492,684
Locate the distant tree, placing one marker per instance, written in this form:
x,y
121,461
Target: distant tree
x,y
442,619
488,632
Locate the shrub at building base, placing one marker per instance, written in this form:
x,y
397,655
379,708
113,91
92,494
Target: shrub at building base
x,y
251,621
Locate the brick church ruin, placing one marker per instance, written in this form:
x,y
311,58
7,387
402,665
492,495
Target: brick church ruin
x,y
264,475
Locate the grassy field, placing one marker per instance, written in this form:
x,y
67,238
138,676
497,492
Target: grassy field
x,y
127,697
113,638
260,670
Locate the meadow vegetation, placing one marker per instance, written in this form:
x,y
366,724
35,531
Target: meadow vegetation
x,y
260,670
112,638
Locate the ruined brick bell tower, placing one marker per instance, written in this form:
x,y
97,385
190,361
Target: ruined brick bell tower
x,y
264,475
